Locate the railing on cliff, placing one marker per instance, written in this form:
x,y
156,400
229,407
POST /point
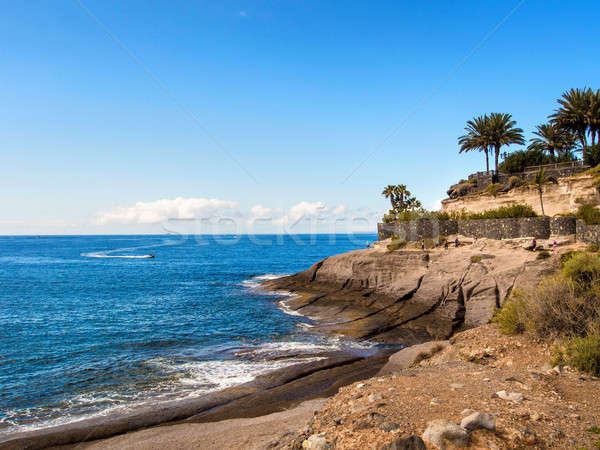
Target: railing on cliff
x,y
577,164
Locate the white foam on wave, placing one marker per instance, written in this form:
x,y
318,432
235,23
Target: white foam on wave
x,y
182,380
255,281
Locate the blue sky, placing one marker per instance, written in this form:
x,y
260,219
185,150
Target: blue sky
x,y
117,116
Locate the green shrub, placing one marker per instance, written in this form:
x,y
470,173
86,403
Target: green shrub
x,y
505,212
450,215
567,256
592,155
582,268
589,214
594,248
475,259
396,244
558,308
511,317
580,352
493,189
472,181
517,161
514,182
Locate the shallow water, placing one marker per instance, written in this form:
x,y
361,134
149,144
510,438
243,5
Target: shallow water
x,y
83,334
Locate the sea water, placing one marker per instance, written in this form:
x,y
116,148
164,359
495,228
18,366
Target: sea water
x,y
87,327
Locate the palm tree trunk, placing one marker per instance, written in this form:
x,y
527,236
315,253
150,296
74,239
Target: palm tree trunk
x,y
496,154
487,161
541,202
583,140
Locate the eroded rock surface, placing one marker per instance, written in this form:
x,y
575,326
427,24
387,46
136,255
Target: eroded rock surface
x,y
410,296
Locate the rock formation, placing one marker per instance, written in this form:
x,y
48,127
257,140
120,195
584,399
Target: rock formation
x,y
410,296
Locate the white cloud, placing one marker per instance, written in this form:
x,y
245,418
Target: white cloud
x,y
302,210
262,212
437,205
161,210
339,210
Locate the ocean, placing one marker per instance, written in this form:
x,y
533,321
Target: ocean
x,y
90,325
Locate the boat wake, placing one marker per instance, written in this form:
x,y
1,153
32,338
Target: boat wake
x,y
109,253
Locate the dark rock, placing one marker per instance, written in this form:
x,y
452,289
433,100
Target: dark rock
x,y
389,426
407,443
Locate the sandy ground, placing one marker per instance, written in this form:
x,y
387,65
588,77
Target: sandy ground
x,y
559,408
270,431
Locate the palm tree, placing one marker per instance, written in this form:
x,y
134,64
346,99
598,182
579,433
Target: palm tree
x,y
402,196
551,138
476,138
574,113
502,131
390,192
593,115
540,179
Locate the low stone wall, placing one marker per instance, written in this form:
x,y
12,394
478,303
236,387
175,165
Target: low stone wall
x,y
563,225
415,230
538,227
588,233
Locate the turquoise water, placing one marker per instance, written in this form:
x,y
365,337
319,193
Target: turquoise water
x,y
85,333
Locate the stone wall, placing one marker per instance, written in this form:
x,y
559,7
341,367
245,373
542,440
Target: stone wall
x,y
588,233
563,225
415,230
538,227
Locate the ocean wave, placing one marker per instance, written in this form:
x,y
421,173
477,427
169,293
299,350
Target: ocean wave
x,y
180,381
256,280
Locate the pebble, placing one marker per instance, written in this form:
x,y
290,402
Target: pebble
x,y
436,401
360,385
487,380
454,386
441,430
374,398
512,396
377,417
466,412
389,426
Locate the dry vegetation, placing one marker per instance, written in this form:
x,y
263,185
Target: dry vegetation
x,y
564,307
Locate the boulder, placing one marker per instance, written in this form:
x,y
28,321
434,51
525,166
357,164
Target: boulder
x,y
407,443
405,358
479,420
316,442
440,432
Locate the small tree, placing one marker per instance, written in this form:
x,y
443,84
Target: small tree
x,y
540,179
402,201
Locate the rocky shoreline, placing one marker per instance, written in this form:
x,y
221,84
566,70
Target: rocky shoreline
x,y
269,393
411,296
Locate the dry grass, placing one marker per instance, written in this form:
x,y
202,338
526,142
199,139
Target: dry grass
x,y
565,305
